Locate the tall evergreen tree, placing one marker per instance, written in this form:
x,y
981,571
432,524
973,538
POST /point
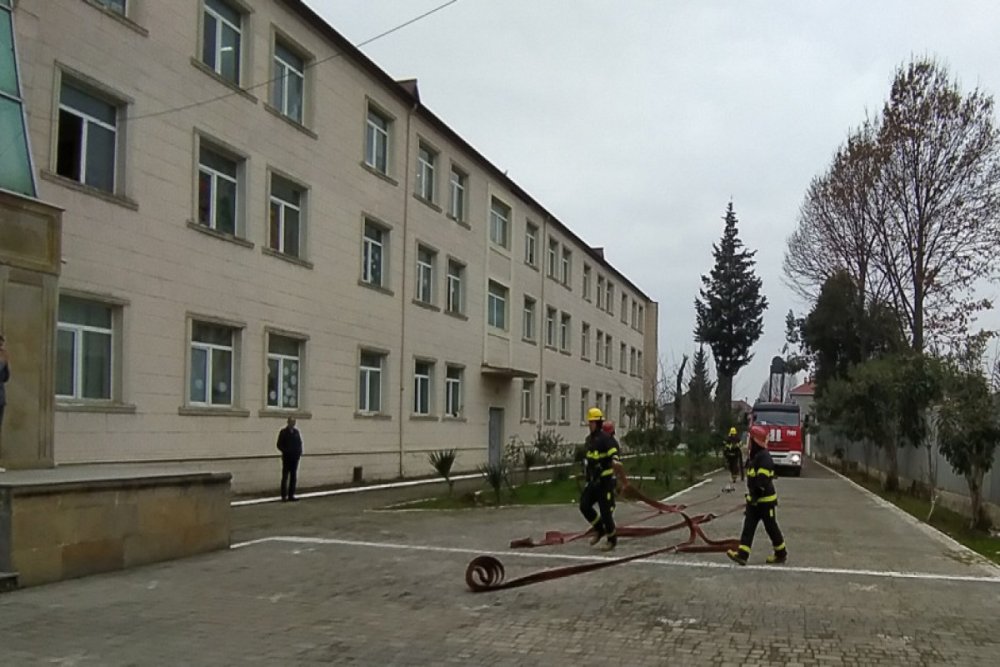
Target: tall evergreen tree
x,y
700,394
730,312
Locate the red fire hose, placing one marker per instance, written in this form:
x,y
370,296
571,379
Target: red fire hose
x,y
486,573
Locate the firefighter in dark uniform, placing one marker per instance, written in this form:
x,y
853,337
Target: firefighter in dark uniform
x,y
732,450
762,500
603,466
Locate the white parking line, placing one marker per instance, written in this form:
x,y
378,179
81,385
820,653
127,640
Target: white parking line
x,y
671,562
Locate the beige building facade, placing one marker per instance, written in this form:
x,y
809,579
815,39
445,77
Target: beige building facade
x,y
259,222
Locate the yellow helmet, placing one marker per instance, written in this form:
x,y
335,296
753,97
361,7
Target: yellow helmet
x,y
732,431
595,415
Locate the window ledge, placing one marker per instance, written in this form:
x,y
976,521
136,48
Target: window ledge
x,y
551,422
124,20
533,267
564,423
372,170
376,288
284,414
529,341
198,65
457,221
423,418
551,347
208,411
291,259
452,418
222,236
427,202
372,415
457,315
566,352
587,359
426,306
96,407
290,121
528,421
497,332
111,197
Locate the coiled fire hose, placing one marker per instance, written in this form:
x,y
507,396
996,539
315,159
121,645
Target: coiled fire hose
x,y
486,573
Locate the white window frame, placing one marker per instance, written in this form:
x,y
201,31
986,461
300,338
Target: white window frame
x,y
638,363
365,375
633,365
108,5
377,139
456,287
493,300
89,120
219,21
610,300
210,349
564,403
550,388
283,208
527,400
566,264
642,320
531,245
635,314
288,70
454,391
587,277
215,176
78,331
565,325
423,388
528,318
550,326
623,361
624,309
458,181
553,257
500,215
600,292
283,360
585,340
425,182
367,245
584,404
608,345
600,348
425,274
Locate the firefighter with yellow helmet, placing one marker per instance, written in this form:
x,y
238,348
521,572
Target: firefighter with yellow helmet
x,y
732,450
762,500
602,466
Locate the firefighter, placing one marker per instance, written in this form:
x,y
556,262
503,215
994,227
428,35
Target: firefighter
x,y
732,450
762,500
602,466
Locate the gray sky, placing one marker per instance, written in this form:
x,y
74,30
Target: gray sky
x,y
636,121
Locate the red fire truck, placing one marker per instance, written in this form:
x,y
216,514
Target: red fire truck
x,y
785,433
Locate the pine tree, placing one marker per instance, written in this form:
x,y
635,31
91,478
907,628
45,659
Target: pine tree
x,y
730,312
700,394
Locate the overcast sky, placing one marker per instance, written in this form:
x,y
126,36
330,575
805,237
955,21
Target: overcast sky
x,y
635,122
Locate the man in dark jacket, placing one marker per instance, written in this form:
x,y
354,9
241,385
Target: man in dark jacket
x,y
762,500
4,376
290,446
732,449
602,466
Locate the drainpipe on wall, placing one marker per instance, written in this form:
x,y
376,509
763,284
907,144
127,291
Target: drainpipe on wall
x,y
543,250
406,270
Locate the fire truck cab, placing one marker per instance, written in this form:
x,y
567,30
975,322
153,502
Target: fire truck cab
x,y
784,424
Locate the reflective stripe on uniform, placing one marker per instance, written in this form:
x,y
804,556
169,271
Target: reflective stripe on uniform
x,y
745,548
608,473
763,472
768,499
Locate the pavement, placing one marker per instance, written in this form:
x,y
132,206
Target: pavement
x,y
333,580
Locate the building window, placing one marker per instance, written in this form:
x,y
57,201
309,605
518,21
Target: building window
x,y
607,406
377,141
553,257
117,6
499,223
288,83
564,403
286,217
623,361
373,248
621,412
370,382
529,319
284,364
456,204
635,313
585,341
218,190
567,263
456,293
423,371
600,292
609,299
425,274
550,390
550,327
221,48
586,281
564,332
624,309
426,160
527,399
497,306
599,403
638,363
584,404
212,364
84,350
608,359
453,391
531,245
600,347
87,144
642,319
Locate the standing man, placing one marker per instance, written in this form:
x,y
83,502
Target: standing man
x,y
733,453
4,376
602,467
762,500
290,446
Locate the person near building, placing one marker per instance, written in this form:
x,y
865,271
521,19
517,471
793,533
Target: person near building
x,y
732,450
602,467
762,501
4,376
290,446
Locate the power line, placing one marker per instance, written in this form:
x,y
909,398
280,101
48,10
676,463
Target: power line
x,y
311,65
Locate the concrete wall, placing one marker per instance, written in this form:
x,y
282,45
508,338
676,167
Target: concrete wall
x,y
137,249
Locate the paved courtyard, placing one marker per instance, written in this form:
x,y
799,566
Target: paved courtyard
x,y
331,581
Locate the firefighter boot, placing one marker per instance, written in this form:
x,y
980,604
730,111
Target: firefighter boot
x,y
596,537
738,557
610,544
778,557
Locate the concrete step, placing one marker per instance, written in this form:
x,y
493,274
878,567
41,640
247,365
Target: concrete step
x,y
8,581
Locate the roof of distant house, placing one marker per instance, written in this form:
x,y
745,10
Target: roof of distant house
x,y
804,389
